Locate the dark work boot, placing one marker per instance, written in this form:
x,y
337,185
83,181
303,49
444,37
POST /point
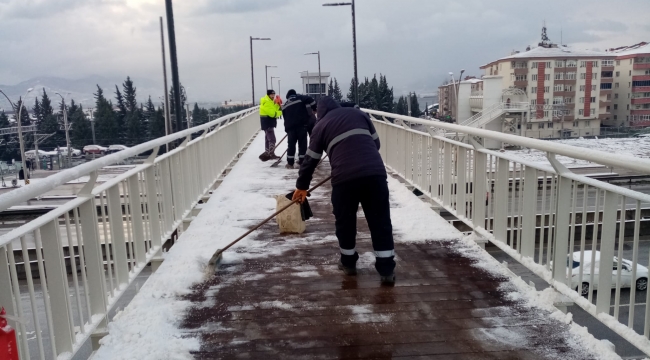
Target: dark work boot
x,y
388,280
347,270
289,166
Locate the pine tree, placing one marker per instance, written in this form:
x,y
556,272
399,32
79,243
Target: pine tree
x,y
157,124
37,110
129,90
366,99
415,106
81,131
46,106
330,88
337,91
106,129
4,120
134,116
373,94
172,109
386,99
400,106
351,93
24,115
121,112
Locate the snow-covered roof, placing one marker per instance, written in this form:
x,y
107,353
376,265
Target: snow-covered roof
x,y
640,48
557,52
473,81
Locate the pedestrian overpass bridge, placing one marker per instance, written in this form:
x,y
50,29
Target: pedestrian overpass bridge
x,y
280,296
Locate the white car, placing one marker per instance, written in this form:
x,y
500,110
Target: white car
x,y
64,151
116,148
640,282
94,149
31,154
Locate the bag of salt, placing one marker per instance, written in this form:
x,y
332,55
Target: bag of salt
x,y
290,220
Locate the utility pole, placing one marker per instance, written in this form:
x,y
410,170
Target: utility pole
x,y
174,62
320,81
166,91
67,128
252,71
273,77
354,46
279,87
189,123
408,99
266,74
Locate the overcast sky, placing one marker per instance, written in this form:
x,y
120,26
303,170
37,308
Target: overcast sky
x,y
416,43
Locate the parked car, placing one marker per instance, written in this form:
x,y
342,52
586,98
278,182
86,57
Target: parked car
x,y
116,148
64,151
94,149
31,154
640,282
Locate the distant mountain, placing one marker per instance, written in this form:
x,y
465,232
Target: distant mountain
x,y
81,90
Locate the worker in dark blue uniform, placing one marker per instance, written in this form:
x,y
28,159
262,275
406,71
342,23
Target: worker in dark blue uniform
x,y
296,124
349,138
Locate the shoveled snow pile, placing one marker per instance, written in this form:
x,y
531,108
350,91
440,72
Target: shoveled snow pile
x,y
637,147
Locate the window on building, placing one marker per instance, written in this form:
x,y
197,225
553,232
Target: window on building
x,y
558,87
581,111
559,64
571,63
534,65
568,88
605,86
592,112
545,101
630,74
529,126
540,125
608,62
582,100
582,87
608,109
559,76
547,89
615,106
641,83
568,100
533,90
575,124
594,63
628,107
520,78
533,77
647,72
606,74
547,77
593,100
587,123
545,114
550,125
616,96
618,62
594,76
615,117
583,76
583,64
593,87
618,73
616,85
609,96
533,101
558,100
570,76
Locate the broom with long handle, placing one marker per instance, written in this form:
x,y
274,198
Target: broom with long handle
x,y
216,258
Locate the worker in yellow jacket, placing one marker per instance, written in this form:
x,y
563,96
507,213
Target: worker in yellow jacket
x,y
269,114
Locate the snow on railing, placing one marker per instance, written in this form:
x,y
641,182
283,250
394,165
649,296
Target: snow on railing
x,y
542,215
108,234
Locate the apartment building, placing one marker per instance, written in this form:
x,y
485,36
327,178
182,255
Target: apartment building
x,y
570,90
447,96
631,88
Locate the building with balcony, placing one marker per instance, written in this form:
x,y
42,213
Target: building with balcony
x,y
569,91
447,96
631,86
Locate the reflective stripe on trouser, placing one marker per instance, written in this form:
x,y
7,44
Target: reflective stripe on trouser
x,y
348,252
294,136
372,193
269,140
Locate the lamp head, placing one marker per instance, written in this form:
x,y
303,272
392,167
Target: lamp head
x,y
29,90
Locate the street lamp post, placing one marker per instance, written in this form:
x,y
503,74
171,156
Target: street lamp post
x,y
279,87
65,126
307,73
273,77
354,46
320,81
252,72
266,74
20,136
453,81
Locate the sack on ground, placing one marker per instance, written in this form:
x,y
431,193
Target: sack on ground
x,y
290,220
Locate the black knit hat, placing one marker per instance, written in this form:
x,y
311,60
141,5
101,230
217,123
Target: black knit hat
x,y
270,91
291,92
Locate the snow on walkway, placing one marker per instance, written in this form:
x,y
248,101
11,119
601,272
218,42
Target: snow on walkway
x,y
149,327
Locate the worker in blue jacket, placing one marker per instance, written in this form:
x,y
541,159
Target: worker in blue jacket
x,y
349,138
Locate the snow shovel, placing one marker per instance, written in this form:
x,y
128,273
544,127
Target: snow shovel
x,y
216,258
265,156
275,164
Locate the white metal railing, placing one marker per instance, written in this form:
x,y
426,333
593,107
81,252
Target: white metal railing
x,y
539,214
94,246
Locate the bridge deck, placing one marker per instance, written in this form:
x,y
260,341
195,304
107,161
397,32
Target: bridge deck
x,y
281,296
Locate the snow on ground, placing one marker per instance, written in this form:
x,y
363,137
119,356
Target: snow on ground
x,y
637,147
148,327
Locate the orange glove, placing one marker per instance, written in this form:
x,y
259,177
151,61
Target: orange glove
x,y
278,100
300,195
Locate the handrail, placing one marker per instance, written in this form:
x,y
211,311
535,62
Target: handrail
x,y
32,190
597,156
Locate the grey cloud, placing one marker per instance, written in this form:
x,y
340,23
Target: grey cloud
x,y
239,6
34,9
